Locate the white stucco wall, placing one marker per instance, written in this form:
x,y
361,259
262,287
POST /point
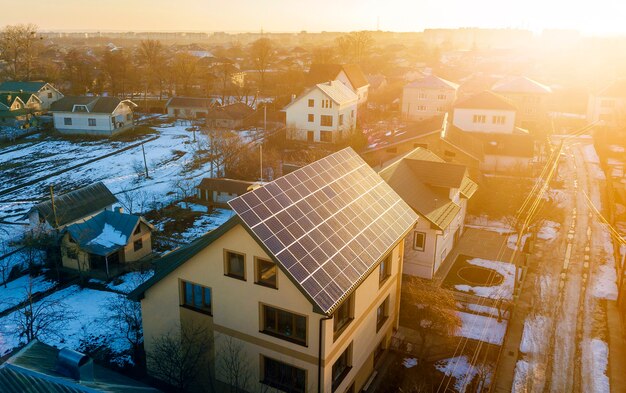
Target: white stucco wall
x,y
419,104
297,117
104,122
464,119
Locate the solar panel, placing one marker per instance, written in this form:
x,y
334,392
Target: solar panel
x,y
327,223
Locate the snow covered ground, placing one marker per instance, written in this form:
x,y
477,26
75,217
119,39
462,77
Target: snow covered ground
x,y
462,371
16,291
485,223
521,374
502,291
128,282
481,328
598,353
89,325
534,335
204,224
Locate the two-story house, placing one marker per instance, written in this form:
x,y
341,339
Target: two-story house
x,y
607,107
324,113
530,97
46,93
350,75
305,279
16,109
427,97
438,192
98,116
491,118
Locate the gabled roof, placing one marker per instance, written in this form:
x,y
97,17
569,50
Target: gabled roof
x,y
230,186
94,104
190,102
485,100
319,73
235,111
8,98
423,180
615,89
521,84
76,204
432,82
464,141
411,131
30,87
33,369
335,90
105,232
326,225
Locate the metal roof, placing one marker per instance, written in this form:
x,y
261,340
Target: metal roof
x,y
485,100
326,72
30,87
94,104
521,84
432,82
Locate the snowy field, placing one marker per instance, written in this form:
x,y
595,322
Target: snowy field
x,y
90,324
16,291
502,291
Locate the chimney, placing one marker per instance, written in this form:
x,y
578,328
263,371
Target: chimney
x,y
293,97
74,365
119,209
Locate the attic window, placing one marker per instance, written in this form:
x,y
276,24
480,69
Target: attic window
x,y
80,108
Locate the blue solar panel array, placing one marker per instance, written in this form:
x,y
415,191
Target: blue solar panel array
x,y
327,223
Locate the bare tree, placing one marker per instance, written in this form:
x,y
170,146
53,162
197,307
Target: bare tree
x,y
262,54
185,188
234,366
355,47
134,201
5,262
126,315
184,67
150,54
46,317
430,310
19,46
180,359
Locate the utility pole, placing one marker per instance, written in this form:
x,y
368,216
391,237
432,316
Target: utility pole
x,y
144,160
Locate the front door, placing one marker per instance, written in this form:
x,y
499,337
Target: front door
x,y
310,136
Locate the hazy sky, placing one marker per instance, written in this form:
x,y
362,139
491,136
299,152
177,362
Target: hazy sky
x,y
592,17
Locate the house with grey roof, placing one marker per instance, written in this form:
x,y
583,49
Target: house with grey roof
x,y
39,367
71,207
438,192
189,107
95,116
304,278
427,97
43,90
106,243
324,113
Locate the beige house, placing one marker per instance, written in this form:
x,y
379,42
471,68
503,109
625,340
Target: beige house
x,y
530,98
438,191
427,97
106,242
46,93
305,278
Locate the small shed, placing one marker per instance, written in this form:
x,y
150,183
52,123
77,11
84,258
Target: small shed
x,y
216,192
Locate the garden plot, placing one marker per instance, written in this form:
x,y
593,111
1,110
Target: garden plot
x,y
482,277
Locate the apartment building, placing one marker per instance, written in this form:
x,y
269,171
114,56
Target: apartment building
x,y
305,279
428,97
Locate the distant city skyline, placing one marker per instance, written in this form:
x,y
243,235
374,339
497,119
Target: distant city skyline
x,y
291,16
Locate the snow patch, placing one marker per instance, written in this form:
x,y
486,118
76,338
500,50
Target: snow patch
x,y
458,368
521,375
481,328
109,237
534,335
599,381
502,291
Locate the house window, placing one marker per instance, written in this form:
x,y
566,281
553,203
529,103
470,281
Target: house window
x,y
72,253
342,367
67,121
422,96
80,108
449,153
343,316
382,314
499,119
479,118
340,120
311,103
311,118
265,273
284,324
235,265
49,95
138,245
441,97
327,104
326,136
419,241
326,121
196,297
129,116
421,108
283,376
92,122
384,269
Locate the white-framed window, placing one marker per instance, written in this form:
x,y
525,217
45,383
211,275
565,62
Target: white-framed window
x,y
419,241
499,119
479,119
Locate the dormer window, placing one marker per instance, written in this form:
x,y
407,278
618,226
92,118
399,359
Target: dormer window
x,y
80,108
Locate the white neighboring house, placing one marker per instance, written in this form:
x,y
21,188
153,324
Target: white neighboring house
x,y
427,97
438,192
45,91
99,116
608,106
350,75
323,113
